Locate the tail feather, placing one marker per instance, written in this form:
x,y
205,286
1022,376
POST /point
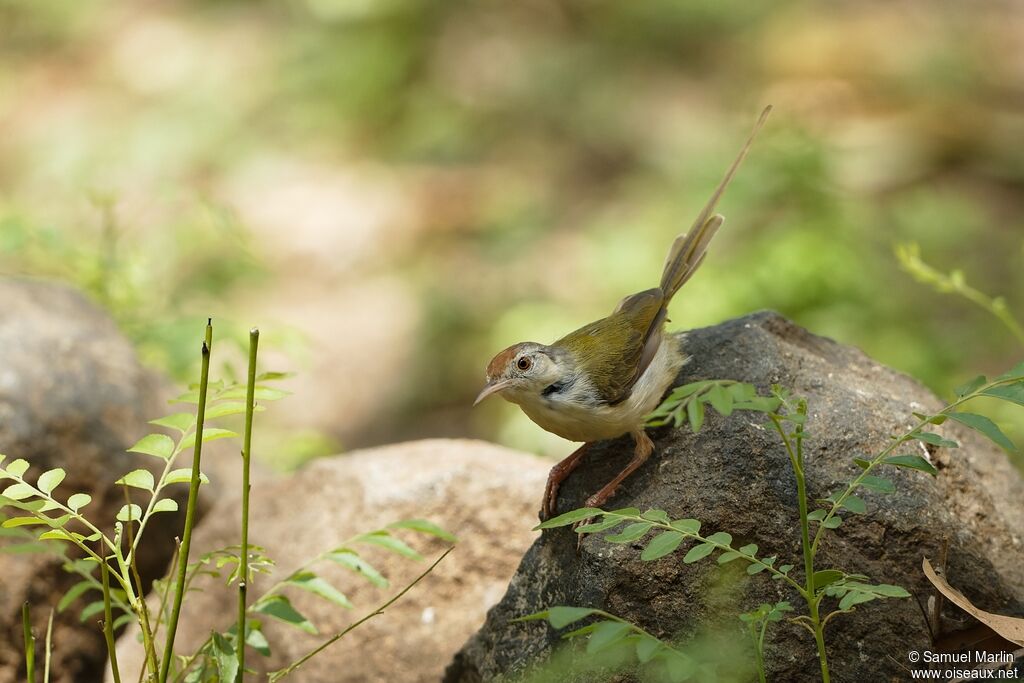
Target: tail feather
x,y
687,252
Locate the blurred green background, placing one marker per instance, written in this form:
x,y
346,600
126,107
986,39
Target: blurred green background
x,y
394,190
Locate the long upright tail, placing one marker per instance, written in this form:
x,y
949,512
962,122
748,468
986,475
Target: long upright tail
x,y
687,252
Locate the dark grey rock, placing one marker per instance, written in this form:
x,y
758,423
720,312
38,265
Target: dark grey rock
x,y
72,395
735,476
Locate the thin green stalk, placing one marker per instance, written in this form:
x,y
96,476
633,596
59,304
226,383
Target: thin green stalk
x,y
190,512
795,451
108,624
278,675
30,643
243,567
139,606
49,648
758,650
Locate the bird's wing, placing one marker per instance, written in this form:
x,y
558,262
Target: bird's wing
x,y
616,350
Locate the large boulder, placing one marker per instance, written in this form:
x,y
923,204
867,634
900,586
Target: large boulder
x,y
486,495
734,476
72,395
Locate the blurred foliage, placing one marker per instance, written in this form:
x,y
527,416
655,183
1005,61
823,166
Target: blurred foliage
x,y
533,161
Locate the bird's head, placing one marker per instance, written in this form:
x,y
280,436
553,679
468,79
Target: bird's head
x,y
522,371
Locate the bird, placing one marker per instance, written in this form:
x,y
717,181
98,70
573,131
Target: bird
x,y
603,380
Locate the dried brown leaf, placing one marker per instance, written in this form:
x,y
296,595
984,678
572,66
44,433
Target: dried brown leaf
x,y
1008,627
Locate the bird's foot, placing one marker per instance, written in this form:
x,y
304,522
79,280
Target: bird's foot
x,y
558,474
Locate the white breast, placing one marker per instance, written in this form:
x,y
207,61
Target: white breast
x,y
571,417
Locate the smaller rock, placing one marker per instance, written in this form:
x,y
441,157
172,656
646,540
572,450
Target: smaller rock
x,y
486,495
72,395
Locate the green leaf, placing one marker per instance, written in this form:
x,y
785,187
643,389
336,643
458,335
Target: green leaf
x,y
970,387
914,462
188,397
349,559
826,577
122,620
260,393
184,476
228,408
90,610
279,607
816,515
181,422
308,581
271,375
832,522
129,513
159,445
140,479
209,434
663,544
1014,393
73,594
985,426
656,516
696,415
934,439
631,533
698,552
680,667
880,484
55,535
729,556
255,639
720,400
691,388
568,518
424,527
605,634
720,538
647,648
50,479
608,522
755,568
560,617
17,468
385,540
855,505
165,505
77,501
862,463
18,491
224,655
686,526
12,522
890,591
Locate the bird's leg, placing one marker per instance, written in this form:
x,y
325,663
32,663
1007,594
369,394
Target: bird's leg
x,y
557,475
643,450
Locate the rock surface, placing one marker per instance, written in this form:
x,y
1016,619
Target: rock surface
x,y
72,395
488,496
735,476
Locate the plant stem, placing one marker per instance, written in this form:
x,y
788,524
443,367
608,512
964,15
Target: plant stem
x,y
108,624
30,643
758,657
190,512
795,450
49,649
278,675
243,558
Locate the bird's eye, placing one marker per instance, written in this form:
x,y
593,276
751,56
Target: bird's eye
x,y
524,363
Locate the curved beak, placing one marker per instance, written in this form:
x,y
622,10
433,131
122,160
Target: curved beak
x,y
492,388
